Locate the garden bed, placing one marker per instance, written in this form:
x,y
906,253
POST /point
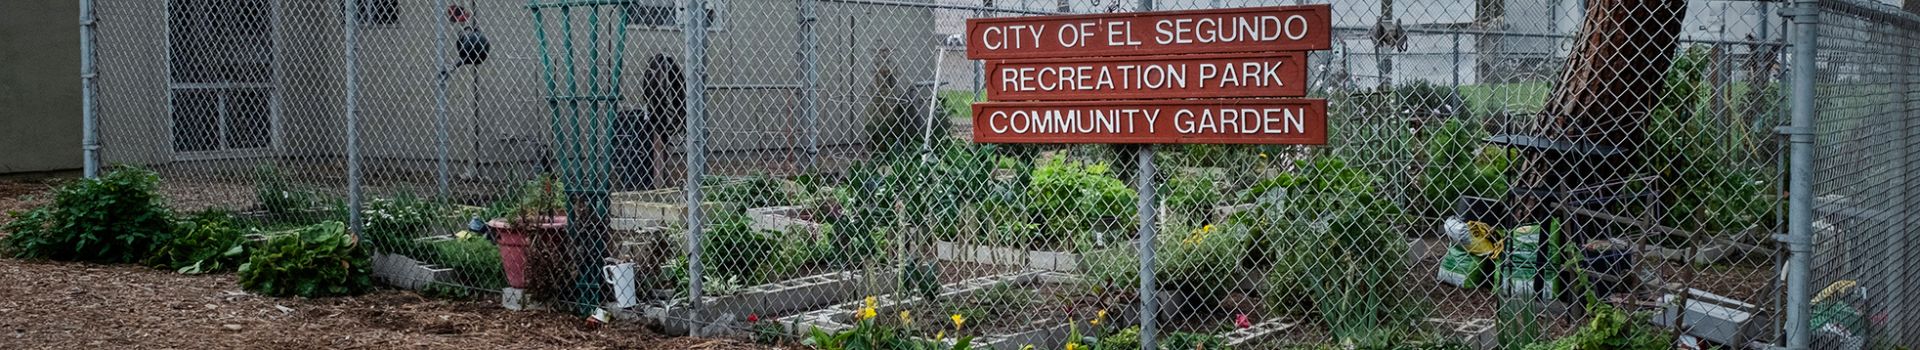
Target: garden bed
x,y
1011,310
1005,256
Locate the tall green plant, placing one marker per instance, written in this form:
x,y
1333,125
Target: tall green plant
x,y
1348,259
1458,165
118,217
393,225
281,197
1718,185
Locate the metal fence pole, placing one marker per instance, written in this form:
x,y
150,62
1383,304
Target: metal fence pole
x,y
89,123
1806,21
441,142
696,85
1144,180
351,21
810,79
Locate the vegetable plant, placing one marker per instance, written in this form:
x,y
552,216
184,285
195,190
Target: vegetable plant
x,y
1077,199
393,224
1458,166
475,259
314,261
118,217
208,242
1612,329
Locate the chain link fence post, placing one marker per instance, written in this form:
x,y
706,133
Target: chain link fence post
x,y
349,21
696,134
1806,24
1145,185
89,119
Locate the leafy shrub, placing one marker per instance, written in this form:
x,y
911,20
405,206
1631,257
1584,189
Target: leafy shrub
x,y
1346,255
1612,329
538,199
315,261
1129,339
734,249
1190,198
1201,261
118,217
1078,198
475,259
1720,183
208,242
393,225
1457,167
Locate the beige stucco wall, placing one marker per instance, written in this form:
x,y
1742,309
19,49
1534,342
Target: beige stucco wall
x,y
494,105
39,86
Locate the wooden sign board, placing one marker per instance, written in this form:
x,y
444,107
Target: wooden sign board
x,y
1253,29
1239,121
1149,77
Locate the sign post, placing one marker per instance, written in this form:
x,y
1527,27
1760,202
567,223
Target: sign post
x,y
1221,76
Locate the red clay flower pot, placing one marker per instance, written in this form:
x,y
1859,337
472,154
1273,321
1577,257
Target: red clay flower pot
x,y
514,241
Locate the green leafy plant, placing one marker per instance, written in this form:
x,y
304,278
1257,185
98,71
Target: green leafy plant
x,y
1457,166
1720,180
1612,329
118,217
1190,199
393,225
315,261
1346,254
1077,199
537,201
1129,339
210,241
734,249
867,334
1198,261
475,259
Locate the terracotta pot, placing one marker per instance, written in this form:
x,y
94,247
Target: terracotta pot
x,y
514,241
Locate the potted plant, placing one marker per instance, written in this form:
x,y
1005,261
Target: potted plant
x,y
538,210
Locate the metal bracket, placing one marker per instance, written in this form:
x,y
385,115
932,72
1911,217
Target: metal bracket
x,y
1793,130
1797,11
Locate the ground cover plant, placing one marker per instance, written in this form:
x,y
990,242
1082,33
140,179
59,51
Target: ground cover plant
x,y
314,261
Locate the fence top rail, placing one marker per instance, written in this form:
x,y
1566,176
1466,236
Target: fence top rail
x,y
537,4
1874,11
931,5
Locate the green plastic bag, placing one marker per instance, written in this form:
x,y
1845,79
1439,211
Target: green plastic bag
x,y
1463,269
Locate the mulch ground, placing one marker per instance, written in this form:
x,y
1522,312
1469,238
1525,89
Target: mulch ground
x,y
73,305
55,305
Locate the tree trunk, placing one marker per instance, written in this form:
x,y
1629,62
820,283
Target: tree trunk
x,y
1612,79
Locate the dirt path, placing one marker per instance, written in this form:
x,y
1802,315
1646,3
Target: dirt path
x,y
69,305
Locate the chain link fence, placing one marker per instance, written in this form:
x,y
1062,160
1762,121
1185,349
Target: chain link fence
x,y
805,164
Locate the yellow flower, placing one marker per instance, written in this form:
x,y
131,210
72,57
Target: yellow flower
x,y
865,313
1206,229
1263,155
958,321
906,317
873,302
1073,346
940,336
1027,347
1097,316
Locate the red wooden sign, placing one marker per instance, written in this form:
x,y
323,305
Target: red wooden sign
x,y
1253,29
1149,77
1242,121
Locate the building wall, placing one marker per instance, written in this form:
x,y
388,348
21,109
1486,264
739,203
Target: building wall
x,y
39,86
497,108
